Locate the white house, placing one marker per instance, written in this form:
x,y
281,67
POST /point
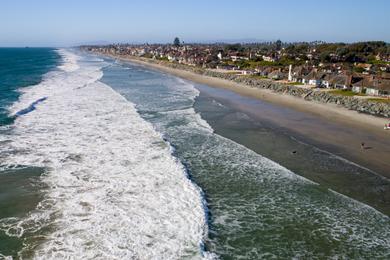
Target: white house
x,y
268,58
236,58
171,58
314,82
372,91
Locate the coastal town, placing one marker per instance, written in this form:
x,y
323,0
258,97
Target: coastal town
x,y
212,130
359,69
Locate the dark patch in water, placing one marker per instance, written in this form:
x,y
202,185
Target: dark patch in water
x,y
30,107
20,192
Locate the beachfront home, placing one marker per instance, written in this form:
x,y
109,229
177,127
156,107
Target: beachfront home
x,y
360,82
316,79
358,87
298,74
172,58
379,87
276,75
248,72
264,71
371,91
309,78
326,80
372,86
341,81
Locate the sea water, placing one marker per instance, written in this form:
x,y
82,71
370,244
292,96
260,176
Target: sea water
x,y
257,208
110,160
111,188
19,186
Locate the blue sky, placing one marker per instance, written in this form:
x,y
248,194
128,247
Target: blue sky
x,y
70,22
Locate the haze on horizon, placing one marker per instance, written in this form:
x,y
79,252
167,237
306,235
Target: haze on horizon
x,y
71,22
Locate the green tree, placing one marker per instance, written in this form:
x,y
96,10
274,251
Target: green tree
x,y
325,56
176,42
342,51
278,45
233,47
358,69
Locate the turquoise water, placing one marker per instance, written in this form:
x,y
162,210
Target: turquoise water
x,y
85,177
21,67
20,188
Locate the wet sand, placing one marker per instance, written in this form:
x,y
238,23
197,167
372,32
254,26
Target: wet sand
x,y
321,142
335,128
330,135
275,132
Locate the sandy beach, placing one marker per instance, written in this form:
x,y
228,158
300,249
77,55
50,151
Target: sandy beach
x,y
356,127
329,111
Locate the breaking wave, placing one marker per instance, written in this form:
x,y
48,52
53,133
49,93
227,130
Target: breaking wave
x,y
114,190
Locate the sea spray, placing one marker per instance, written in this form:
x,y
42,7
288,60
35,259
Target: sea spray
x,y
113,188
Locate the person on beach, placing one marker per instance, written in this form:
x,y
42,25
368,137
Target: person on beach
x,y
362,146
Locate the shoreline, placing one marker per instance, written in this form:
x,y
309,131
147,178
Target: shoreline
x,y
339,113
353,121
234,117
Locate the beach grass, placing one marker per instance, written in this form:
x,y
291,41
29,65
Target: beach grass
x,y
294,83
348,93
257,77
382,100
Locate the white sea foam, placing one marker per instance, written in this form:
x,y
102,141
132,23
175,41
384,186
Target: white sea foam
x,y
70,61
115,191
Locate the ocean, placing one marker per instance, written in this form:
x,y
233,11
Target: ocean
x,y
20,68
102,159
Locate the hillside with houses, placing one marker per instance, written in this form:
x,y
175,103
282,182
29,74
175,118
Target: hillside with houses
x,y
361,69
